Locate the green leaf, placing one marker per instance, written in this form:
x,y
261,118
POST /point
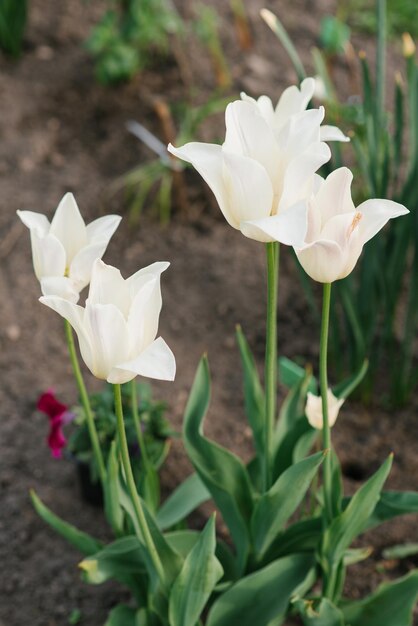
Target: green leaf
x,y
291,374
345,388
390,605
391,504
262,596
185,499
322,613
113,510
303,536
193,586
401,551
253,393
350,523
356,555
122,557
223,473
278,29
82,541
276,506
122,615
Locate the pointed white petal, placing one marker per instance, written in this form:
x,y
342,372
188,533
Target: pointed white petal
x,y
82,264
332,133
293,100
144,315
288,227
334,196
60,286
35,221
69,227
109,338
207,160
156,361
103,228
314,413
138,280
375,214
109,287
48,255
323,261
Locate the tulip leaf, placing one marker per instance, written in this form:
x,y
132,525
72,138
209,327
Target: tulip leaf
x,y
346,387
401,551
350,523
274,508
82,541
223,473
113,510
253,393
193,586
321,613
391,504
291,374
391,604
122,615
121,560
302,536
185,499
262,596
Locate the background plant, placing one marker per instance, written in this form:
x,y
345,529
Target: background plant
x,y
13,17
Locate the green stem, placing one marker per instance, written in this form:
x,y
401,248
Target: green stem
x,y
323,378
97,451
138,426
271,357
130,481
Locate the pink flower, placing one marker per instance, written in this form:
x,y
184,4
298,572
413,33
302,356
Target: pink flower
x,y
58,416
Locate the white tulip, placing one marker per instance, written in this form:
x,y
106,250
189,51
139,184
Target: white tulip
x,y
64,250
337,230
266,164
117,327
313,409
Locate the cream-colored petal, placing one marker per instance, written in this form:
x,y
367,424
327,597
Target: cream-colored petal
x,y
82,264
332,133
69,227
107,330
144,315
60,286
375,215
313,409
48,255
138,280
35,221
334,196
157,361
102,229
323,261
288,227
294,100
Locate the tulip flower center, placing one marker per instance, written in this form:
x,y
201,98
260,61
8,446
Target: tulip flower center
x,y
356,219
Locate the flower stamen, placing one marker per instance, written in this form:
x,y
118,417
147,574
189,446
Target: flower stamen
x,y
356,219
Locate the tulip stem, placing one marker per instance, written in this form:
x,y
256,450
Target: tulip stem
x,y
97,451
271,357
323,378
130,481
138,425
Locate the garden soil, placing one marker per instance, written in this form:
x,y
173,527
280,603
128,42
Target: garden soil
x,y
61,131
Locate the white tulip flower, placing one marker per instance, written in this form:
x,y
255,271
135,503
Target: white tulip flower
x,y
117,327
337,230
266,164
64,250
313,409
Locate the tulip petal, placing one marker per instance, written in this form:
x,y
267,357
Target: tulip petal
x,y
82,264
323,261
375,214
69,227
102,229
35,221
109,338
301,133
294,100
144,314
265,106
48,255
207,160
288,227
156,361
60,286
249,188
313,409
137,280
248,134
108,287
332,133
334,195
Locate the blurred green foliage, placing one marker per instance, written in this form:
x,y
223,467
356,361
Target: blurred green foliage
x,y
402,15
13,17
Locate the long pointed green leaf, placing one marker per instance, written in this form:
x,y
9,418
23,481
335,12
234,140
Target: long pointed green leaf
x,y
276,506
113,510
223,473
185,499
263,596
323,613
193,586
82,541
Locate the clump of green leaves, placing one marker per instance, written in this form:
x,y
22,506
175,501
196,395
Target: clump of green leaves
x,y
13,17
129,36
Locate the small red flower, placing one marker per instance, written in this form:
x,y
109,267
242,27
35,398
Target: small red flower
x,y
58,416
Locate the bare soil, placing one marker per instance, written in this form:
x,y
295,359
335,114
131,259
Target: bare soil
x,y
61,131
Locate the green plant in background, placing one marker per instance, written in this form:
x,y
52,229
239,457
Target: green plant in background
x,y
379,303
361,15
129,36
162,178
207,29
13,17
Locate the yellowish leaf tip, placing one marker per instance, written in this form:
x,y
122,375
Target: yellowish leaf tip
x,y
362,54
408,46
88,565
268,17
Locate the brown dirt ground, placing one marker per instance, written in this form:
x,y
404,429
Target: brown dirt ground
x,y
61,131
